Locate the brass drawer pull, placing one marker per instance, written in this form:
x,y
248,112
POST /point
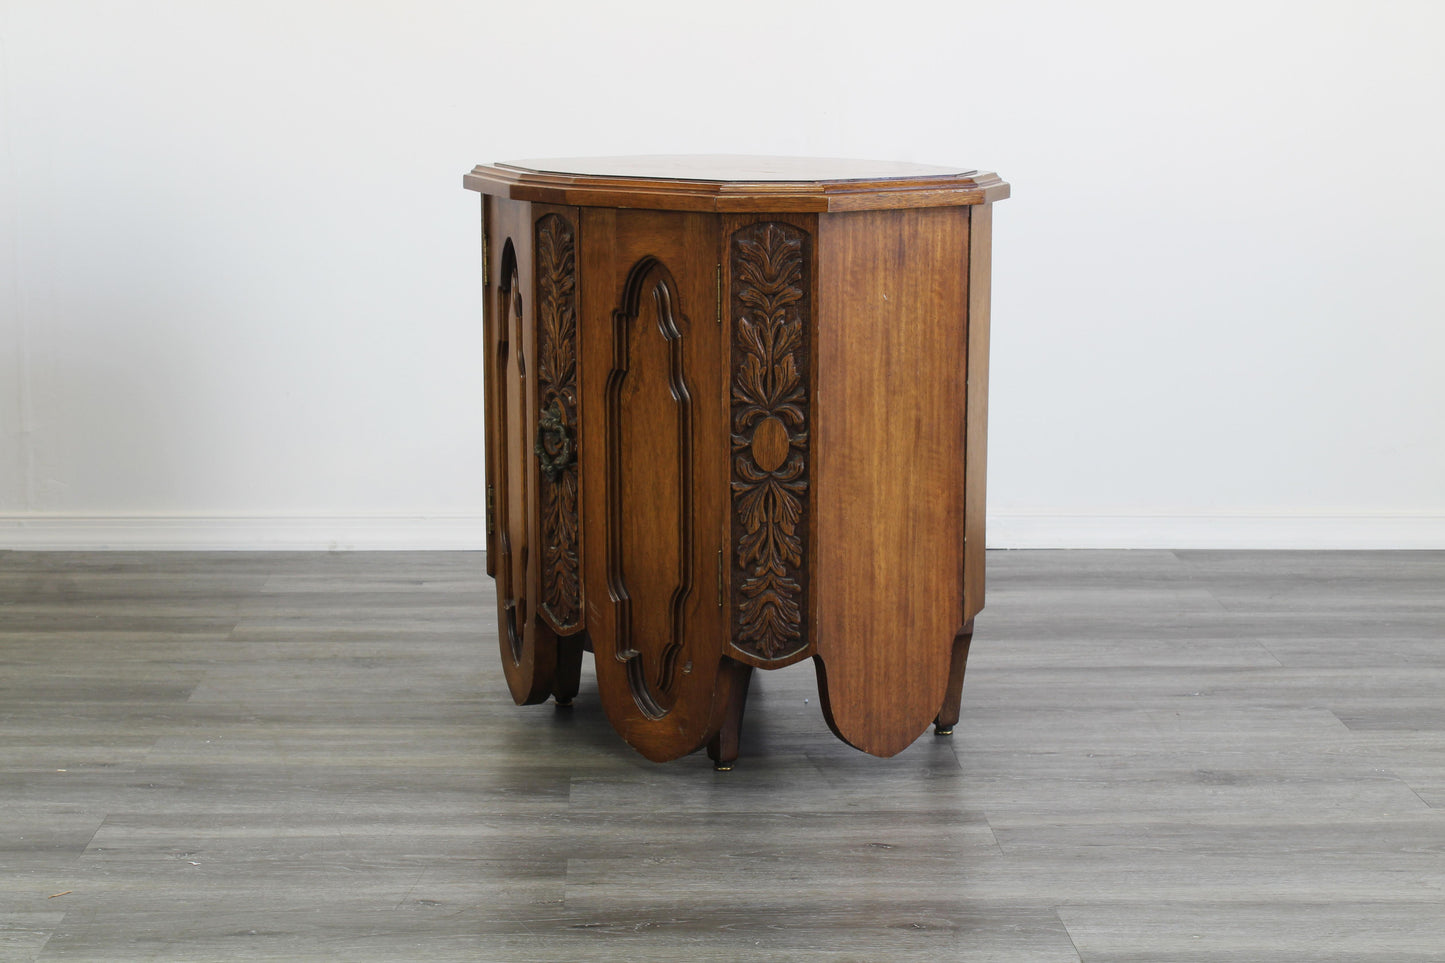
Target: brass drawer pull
x,y
555,448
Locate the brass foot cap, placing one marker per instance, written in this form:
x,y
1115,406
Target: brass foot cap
x,y
564,703
940,731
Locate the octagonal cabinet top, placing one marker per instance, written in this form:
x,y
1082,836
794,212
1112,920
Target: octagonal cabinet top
x,y
735,183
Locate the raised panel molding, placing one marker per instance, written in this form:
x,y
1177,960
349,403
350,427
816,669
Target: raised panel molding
x,y
649,482
769,308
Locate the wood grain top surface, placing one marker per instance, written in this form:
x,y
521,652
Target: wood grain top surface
x,y
733,167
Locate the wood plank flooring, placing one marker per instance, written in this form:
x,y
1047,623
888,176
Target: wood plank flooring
x,y
1163,756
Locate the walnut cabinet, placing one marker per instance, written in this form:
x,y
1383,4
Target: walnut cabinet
x,y
736,418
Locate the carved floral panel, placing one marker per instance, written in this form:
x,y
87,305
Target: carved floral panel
x,y
556,254
769,308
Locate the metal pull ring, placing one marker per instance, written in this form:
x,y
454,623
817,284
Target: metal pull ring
x,y
555,448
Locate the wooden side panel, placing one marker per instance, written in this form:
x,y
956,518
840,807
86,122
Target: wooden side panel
x,y
490,330
529,648
980,270
654,446
889,468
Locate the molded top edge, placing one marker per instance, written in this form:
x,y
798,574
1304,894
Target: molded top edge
x,y
734,182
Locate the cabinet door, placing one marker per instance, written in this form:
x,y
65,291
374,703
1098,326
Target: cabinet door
x,y
516,549
654,474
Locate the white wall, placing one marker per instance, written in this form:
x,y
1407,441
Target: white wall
x,y
239,284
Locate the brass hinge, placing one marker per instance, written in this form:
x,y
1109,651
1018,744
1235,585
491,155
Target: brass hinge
x,y
491,510
486,269
719,294
719,579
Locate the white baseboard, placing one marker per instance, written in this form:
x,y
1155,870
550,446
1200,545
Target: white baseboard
x,y
52,532
64,532
1259,531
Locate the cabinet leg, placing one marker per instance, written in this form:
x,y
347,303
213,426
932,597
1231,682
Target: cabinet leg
x,y
953,697
568,677
723,750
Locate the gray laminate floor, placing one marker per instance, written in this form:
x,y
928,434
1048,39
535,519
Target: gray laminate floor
x,y
1163,756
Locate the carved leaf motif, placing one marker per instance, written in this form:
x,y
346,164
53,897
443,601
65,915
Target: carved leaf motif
x,y
556,262
770,359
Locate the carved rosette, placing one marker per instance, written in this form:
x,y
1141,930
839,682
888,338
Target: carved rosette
x,y
769,308
556,263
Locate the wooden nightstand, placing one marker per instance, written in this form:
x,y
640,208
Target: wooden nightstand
x,y
736,418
